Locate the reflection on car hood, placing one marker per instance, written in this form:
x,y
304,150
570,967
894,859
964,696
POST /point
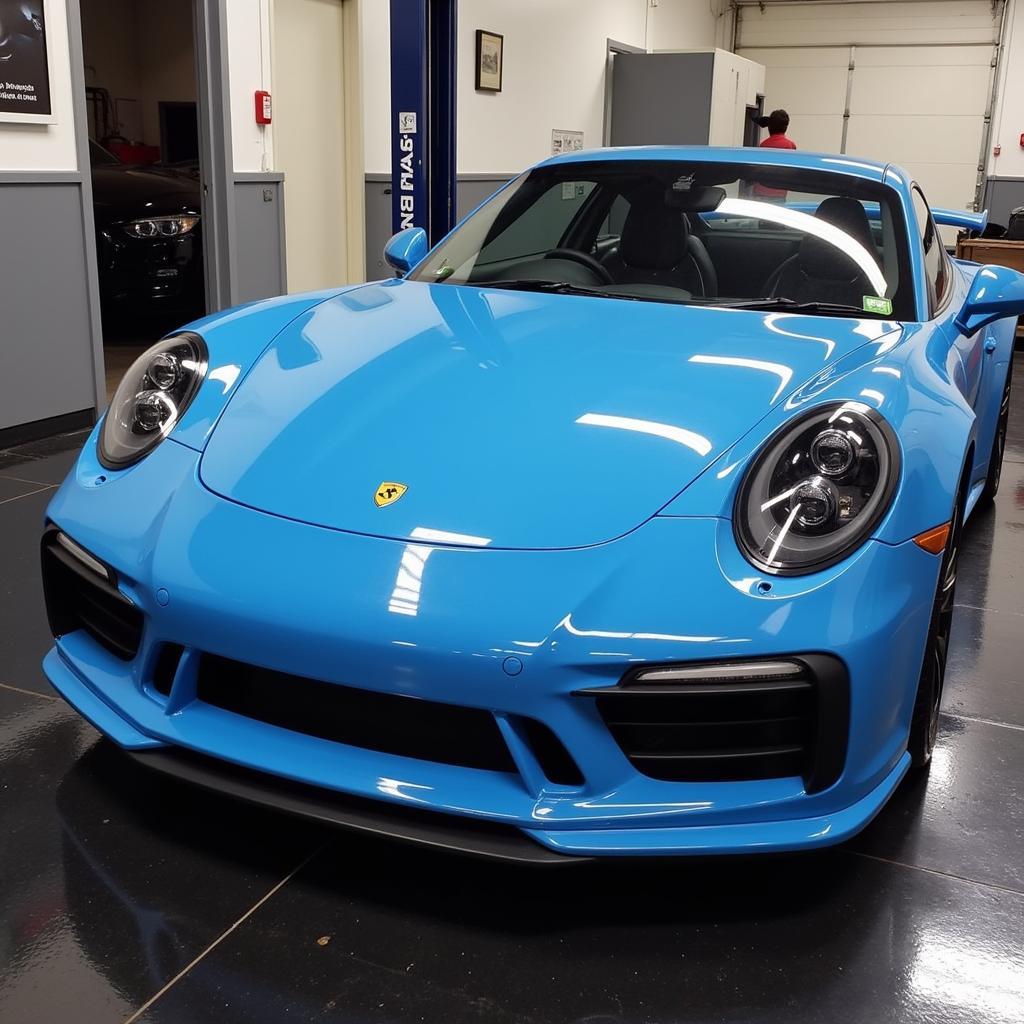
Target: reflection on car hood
x,y
128,193
514,419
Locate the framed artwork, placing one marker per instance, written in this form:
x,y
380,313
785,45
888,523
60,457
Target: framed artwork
x,y
24,63
489,60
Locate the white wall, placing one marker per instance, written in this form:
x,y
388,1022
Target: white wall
x,y
249,68
46,147
555,54
1008,116
310,142
918,94
689,25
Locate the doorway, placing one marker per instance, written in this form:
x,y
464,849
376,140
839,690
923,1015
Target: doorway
x,y
141,91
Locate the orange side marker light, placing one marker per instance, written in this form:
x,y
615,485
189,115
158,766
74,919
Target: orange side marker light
x,y
933,540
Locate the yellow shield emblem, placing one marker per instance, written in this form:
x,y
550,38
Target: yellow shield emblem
x,y
388,493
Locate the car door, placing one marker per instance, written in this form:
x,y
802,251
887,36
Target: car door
x,y
939,282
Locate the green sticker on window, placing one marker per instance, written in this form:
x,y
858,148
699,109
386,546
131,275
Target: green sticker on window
x,y
877,304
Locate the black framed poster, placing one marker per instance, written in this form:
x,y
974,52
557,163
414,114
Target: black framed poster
x,y
24,62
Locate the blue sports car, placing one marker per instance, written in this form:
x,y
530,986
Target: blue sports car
x,y
624,522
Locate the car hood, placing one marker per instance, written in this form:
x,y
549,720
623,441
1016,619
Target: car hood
x,y
514,419
126,193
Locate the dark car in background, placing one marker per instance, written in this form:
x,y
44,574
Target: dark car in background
x,y
148,238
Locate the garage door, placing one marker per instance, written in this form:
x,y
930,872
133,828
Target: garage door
x,y
903,82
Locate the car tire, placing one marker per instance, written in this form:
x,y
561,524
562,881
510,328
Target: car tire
x,y
995,462
924,726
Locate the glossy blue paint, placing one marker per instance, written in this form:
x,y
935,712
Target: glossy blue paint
x,y
966,219
572,465
996,293
405,249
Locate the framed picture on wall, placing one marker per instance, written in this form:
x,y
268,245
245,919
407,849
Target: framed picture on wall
x,y
489,60
24,63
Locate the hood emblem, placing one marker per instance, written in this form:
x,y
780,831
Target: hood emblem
x,y
388,493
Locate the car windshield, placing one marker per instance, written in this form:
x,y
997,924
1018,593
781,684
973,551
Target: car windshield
x,y
724,234
98,156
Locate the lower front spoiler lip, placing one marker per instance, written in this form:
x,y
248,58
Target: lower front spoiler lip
x,y
462,833
435,829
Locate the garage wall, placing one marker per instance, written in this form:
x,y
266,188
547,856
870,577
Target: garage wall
x,y
167,59
555,58
918,92
49,350
1005,186
141,50
553,77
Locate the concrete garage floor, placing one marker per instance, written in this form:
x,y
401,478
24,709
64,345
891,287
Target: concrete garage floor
x,y
127,897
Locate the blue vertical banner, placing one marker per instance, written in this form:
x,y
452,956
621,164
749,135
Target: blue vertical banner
x,y
442,43
409,106
423,86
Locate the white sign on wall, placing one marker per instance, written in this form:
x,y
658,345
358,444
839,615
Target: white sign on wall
x,y
565,142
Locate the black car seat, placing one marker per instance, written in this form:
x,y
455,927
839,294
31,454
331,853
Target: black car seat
x,y
822,272
656,247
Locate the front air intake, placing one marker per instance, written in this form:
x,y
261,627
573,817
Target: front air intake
x,y
372,719
81,594
732,721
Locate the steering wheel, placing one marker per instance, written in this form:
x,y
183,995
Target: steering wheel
x,y
585,259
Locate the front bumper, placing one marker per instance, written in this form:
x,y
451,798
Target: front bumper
x,y
166,271
218,578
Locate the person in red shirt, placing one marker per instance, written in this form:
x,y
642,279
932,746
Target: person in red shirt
x,y
777,123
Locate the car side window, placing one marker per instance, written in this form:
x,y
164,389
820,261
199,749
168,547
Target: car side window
x,y
936,262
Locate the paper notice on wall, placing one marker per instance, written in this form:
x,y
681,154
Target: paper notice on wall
x,y
565,142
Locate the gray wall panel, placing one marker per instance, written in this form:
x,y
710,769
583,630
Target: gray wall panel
x,y
471,192
661,99
46,362
259,238
1001,196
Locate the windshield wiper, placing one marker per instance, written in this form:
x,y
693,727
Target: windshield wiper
x,y
792,306
529,284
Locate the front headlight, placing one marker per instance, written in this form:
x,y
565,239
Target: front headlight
x,y
150,399
161,227
817,489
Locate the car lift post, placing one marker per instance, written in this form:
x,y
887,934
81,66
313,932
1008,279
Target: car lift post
x,y
423,68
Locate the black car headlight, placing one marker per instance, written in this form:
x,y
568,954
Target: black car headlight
x,y
817,489
151,398
161,227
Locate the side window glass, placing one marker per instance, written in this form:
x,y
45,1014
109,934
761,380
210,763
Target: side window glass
x,y
936,265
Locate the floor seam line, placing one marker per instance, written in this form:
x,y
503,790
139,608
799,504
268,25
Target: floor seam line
x,y
933,871
23,480
983,721
220,938
28,693
28,494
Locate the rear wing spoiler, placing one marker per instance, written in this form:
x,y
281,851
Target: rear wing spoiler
x,y
961,219
948,218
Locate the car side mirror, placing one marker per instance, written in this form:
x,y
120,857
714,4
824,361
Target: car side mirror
x,y
404,250
995,293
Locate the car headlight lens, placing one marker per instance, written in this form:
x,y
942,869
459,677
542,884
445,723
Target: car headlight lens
x,y
817,489
151,398
161,227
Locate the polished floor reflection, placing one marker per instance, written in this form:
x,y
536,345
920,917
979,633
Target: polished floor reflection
x,y
127,897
